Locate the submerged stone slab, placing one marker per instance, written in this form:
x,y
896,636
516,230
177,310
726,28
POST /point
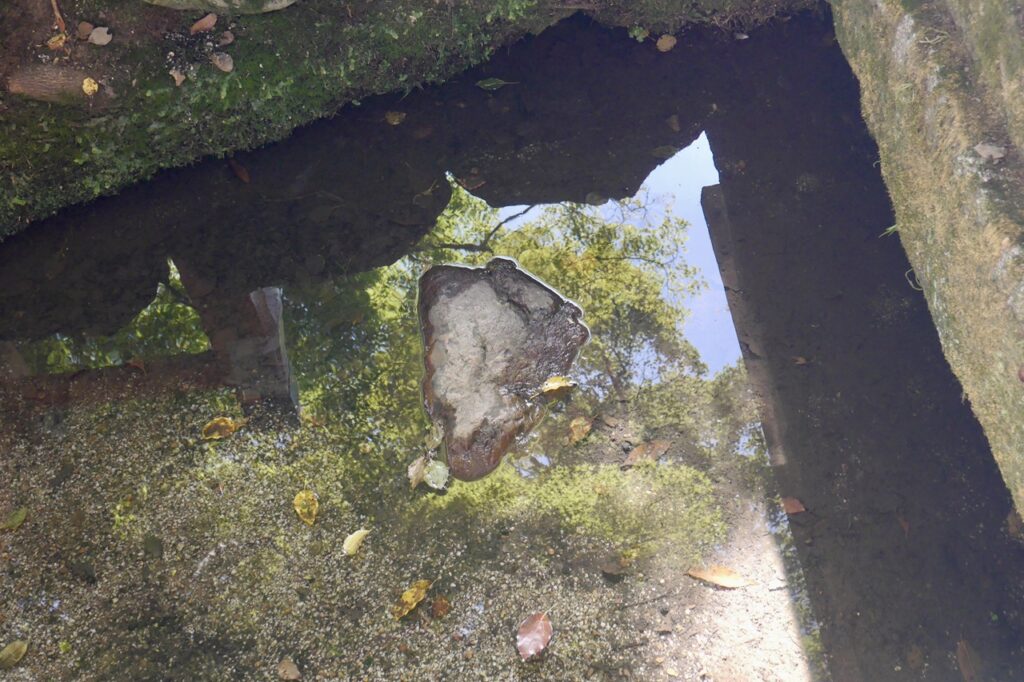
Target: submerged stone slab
x,y
491,337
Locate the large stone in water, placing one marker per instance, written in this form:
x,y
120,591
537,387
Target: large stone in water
x,y
491,336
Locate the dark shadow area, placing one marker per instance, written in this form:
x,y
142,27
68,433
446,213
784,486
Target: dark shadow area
x,y
908,563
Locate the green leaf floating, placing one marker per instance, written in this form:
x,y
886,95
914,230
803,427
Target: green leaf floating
x,y
493,84
12,653
14,519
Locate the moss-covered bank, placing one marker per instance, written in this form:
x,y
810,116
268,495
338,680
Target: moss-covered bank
x,y
290,67
939,83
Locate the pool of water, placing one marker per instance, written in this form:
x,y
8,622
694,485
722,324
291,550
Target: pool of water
x,y
278,290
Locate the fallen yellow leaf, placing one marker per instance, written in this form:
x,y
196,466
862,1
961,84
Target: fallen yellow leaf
x,y
306,506
57,41
90,87
14,519
222,427
354,541
410,598
719,576
394,117
556,387
12,653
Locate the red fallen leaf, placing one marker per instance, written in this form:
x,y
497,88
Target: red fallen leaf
x,y
533,636
240,171
791,505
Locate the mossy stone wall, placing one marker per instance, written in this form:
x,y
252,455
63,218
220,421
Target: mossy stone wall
x,y
940,83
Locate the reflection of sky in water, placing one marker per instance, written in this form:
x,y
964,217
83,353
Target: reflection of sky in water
x,y
709,326
676,186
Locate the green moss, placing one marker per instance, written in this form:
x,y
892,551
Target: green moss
x,y
291,67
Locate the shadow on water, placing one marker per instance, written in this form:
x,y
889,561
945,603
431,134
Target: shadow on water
x,y
909,566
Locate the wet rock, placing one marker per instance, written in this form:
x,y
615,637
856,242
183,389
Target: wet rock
x,y
491,336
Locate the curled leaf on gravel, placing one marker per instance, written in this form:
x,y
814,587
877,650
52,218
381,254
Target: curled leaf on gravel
x,y
354,541
533,636
410,598
306,506
14,519
222,427
12,653
204,24
719,576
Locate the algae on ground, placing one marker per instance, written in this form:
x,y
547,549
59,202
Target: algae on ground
x,y
290,68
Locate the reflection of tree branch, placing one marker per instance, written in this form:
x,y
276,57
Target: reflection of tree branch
x,y
484,246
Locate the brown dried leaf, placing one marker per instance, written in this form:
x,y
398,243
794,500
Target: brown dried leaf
x,y
533,636
287,670
410,598
100,36
720,576
241,172
394,117
205,24
440,607
645,452
416,471
579,428
791,506
800,360
226,38
968,662
178,77
1014,525
666,43
223,61
84,29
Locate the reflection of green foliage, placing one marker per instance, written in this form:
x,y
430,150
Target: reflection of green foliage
x,y
167,326
630,508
